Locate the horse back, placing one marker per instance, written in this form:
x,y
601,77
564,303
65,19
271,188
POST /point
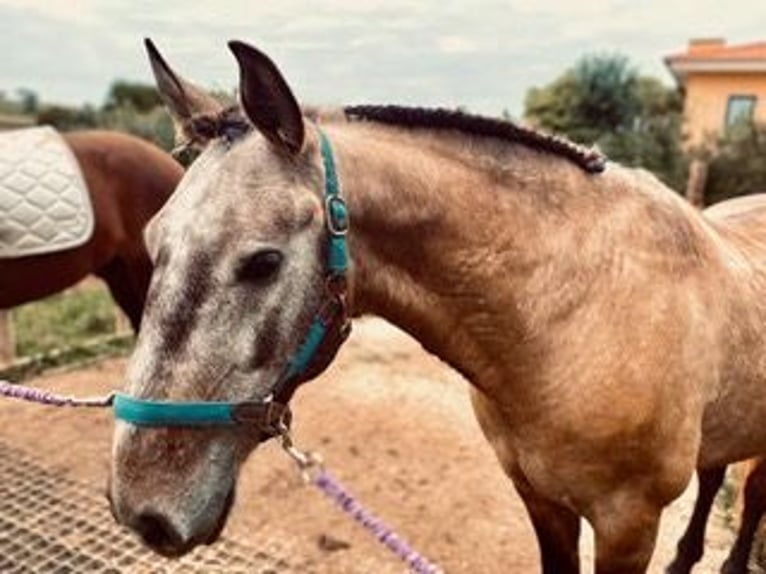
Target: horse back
x,y
742,223
129,180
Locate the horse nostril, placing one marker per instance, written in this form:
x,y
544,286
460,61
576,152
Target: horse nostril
x,y
157,532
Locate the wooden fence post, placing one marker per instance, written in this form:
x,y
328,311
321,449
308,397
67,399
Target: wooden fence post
x,y
121,321
7,339
695,187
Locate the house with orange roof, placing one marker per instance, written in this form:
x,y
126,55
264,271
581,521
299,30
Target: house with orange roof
x,y
723,85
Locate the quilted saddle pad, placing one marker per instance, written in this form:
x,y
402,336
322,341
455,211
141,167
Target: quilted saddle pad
x,y
44,203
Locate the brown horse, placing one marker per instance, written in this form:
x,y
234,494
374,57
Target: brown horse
x,y
744,217
613,336
128,180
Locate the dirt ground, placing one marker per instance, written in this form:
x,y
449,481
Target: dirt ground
x,y
395,425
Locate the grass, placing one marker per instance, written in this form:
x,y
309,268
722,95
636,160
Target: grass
x,y
727,498
72,328
64,320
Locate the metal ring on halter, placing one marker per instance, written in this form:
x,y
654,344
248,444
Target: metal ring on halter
x,y
267,415
306,461
181,149
336,284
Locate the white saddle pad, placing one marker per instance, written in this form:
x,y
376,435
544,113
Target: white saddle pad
x,y
44,203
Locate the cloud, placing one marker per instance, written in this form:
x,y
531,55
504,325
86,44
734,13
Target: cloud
x,y
483,55
64,11
455,44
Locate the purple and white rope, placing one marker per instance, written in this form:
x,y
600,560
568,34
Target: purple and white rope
x,y
323,479
34,395
385,535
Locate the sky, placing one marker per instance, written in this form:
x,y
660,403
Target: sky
x,y
483,54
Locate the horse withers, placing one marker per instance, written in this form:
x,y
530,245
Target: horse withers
x,y
128,181
613,336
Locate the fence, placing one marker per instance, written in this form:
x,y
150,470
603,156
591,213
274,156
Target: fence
x,y
7,340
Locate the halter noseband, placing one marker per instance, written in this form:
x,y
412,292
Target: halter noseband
x,y
328,330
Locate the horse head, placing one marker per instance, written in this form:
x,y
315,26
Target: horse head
x,y
239,254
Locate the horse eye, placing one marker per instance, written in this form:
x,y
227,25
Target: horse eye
x,y
260,266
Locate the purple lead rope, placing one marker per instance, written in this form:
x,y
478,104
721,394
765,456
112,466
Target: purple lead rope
x,y
47,398
323,480
333,489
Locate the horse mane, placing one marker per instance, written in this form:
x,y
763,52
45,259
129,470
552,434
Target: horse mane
x,y
590,160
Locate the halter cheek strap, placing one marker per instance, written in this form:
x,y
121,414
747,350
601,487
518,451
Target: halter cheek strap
x,y
327,332
333,313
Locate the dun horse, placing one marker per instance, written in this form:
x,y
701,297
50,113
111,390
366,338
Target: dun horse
x,y
128,181
613,337
746,217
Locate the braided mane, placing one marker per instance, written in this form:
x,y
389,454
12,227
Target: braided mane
x,y
589,159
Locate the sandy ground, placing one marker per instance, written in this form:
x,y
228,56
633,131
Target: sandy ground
x,y
395,425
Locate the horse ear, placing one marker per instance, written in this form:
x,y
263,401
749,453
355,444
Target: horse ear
x,y
185,101
267,99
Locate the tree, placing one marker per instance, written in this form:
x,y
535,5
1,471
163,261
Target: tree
x,y
556,106
654,138
66,119
738,166
635,120
598,95
29,101
154,126
141,97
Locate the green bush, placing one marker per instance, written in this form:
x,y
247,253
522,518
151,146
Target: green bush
x,y
66,119
154,126
739,164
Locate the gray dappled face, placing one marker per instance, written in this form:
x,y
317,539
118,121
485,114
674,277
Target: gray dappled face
x,y
239,269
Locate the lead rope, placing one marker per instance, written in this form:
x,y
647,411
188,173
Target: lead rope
x,y
312,470
309,464
42,397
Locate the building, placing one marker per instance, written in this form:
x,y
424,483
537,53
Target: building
x,y
723,85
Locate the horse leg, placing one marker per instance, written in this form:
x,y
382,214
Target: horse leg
x,y
557,529
692,544
625,526
755,505
128,284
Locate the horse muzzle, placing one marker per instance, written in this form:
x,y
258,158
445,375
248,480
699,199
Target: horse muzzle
x,y
172,487
173,534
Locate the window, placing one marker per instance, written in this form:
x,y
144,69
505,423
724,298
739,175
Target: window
x,y
739,110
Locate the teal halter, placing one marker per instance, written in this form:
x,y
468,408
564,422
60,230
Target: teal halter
x,y
269,413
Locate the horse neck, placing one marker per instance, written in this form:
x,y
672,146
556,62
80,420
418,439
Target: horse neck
x,y
446,247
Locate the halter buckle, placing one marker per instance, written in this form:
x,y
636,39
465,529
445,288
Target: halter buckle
x,y
337,215
269,416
